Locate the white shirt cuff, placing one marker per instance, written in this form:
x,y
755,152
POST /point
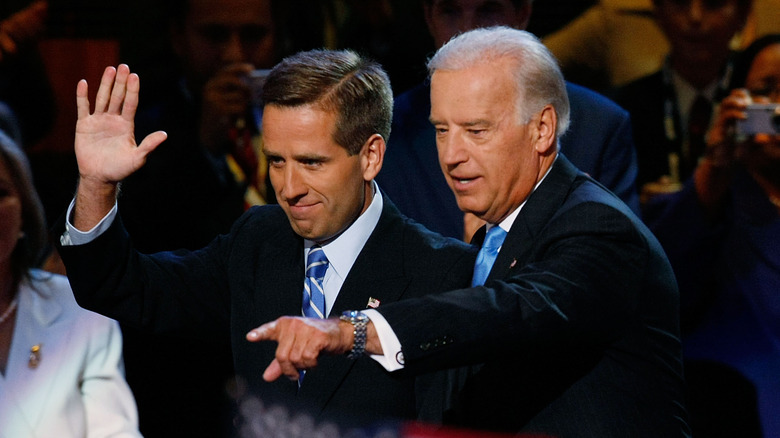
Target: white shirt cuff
x,y
393,357
73,236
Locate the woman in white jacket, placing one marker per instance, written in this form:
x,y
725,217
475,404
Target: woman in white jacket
x,y
60,365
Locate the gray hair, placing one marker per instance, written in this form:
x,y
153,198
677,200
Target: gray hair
x,y
539,80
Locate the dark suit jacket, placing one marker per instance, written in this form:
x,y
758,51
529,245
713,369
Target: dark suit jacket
x,y
599,142
576,327
255,274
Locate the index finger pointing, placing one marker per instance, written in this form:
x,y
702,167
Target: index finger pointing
x,y
266,332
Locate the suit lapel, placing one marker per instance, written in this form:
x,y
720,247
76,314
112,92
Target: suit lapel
x,y
281,277
536,213
378,271
36,324
277,287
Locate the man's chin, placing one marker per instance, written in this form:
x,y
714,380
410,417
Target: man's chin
x,y
304,229
466,205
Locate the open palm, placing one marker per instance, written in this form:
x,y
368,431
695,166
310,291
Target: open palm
x,y
105,145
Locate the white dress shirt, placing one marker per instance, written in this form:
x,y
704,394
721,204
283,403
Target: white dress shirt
x,y
344,249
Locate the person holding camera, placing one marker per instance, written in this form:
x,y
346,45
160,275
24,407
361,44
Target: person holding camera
x,y
721,233
672,108
191,190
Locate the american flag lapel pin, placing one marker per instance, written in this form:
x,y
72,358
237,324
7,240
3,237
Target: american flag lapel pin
x,y
372,303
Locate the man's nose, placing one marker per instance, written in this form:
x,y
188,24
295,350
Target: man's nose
x,y
293,183
451,151
233,50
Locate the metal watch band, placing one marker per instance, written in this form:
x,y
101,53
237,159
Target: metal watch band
x,y
359,323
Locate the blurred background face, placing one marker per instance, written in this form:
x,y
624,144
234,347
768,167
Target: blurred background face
x,y
216,33
447,18
10,216
700,30
764,76
763,83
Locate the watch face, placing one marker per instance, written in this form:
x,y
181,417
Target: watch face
x,y
354,315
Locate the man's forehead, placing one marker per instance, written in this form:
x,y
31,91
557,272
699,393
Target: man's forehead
x,y
468,96
475,76
308,127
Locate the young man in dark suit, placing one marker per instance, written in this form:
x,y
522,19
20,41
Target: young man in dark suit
x,y
575,331
326,119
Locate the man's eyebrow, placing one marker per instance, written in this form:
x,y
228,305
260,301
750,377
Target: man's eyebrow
x,y
478,122
310,157
468,124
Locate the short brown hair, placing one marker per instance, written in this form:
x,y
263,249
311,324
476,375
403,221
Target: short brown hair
x,y
356,88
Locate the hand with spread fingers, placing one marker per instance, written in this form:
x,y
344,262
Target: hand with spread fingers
x,y
105,146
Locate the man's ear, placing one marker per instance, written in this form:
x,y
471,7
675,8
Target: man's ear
x,y
546,124
372,156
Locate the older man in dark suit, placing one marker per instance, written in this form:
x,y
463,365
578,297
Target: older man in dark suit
x,y
571,323
599,141
327,115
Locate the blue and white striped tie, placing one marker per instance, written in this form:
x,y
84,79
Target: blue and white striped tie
x,y
313,293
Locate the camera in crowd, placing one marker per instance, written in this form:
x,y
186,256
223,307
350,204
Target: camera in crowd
x,y
762,118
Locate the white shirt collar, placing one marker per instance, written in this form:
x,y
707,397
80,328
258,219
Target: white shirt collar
x,y
344,249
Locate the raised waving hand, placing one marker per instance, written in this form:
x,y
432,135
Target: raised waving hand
x,y
105,144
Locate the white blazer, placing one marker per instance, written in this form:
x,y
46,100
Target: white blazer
x,y
78,387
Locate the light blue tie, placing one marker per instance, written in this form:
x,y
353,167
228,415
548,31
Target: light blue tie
x,y
313,292
487,255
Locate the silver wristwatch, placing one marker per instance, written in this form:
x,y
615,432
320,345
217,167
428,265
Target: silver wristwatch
x,y
359,322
